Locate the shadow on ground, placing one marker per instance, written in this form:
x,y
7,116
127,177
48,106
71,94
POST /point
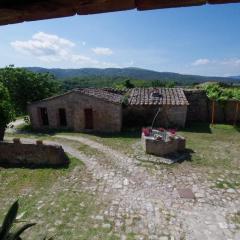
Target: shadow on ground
x,y
198,128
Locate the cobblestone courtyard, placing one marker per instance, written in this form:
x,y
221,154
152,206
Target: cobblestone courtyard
x,y
136,199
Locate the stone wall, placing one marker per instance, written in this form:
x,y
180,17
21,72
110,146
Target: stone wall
x,y
36,155
200,108
169,116
161,148
198,105
107,116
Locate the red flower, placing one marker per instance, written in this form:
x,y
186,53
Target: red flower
x,y
146,132
172,131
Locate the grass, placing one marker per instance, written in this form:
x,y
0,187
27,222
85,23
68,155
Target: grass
x,y
209,146
55,201
16,180
119,141
89,151
236,218
217,148
63,209
214,146
227,184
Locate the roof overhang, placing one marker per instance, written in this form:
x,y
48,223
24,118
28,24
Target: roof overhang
x,y
16,11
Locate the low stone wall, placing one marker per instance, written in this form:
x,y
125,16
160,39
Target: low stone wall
x,y
35,155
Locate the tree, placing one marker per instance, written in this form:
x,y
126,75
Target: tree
x,y
128,84
167,84
25,86
6,110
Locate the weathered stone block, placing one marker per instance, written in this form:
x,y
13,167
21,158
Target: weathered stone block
x,y
160,147
32,155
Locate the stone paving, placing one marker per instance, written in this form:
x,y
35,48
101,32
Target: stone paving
x,y
146,202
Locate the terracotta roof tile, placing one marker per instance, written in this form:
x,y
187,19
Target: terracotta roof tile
x,y
101,94
136,96
157,96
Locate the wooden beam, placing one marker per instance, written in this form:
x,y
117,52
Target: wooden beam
x,y
15,11
101,6
222,1
157,4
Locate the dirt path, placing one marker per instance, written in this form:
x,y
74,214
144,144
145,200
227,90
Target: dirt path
x,y
148,205
13,125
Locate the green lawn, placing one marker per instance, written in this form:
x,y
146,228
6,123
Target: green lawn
x,y
214,146
49,198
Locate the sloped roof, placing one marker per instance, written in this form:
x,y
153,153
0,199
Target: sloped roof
x,y
93,92
101,94
157,96
135,96
15,11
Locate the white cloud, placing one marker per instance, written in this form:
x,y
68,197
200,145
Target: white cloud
x,y
102,51
216,67
201,61
234,62
43,44
52,48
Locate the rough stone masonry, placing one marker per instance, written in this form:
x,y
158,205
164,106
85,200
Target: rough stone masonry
x,y
36,155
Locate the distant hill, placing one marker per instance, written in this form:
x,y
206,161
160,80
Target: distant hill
x,y
134,73
235,77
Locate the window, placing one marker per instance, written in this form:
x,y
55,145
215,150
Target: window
x,y
44,116
62,117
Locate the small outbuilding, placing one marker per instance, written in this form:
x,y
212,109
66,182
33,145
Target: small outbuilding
x,y
166,106
79,109
107,110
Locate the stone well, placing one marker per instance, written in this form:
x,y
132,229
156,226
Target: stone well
x,y
161,143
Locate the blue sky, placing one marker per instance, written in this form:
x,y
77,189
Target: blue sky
x,y
197,40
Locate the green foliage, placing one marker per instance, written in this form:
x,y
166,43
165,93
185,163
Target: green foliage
x,y
222,93
236,94
25,86
225,94
128,84
132,73
115,82
213,91
167,84
9,220
6,107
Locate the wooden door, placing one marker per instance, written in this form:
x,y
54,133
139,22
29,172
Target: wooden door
x,y
44,116
88,118
62,117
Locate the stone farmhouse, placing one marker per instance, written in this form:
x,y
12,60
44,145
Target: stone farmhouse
x,y
108,110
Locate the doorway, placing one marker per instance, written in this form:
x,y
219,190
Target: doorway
x,y
88,113
62,117
44,116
